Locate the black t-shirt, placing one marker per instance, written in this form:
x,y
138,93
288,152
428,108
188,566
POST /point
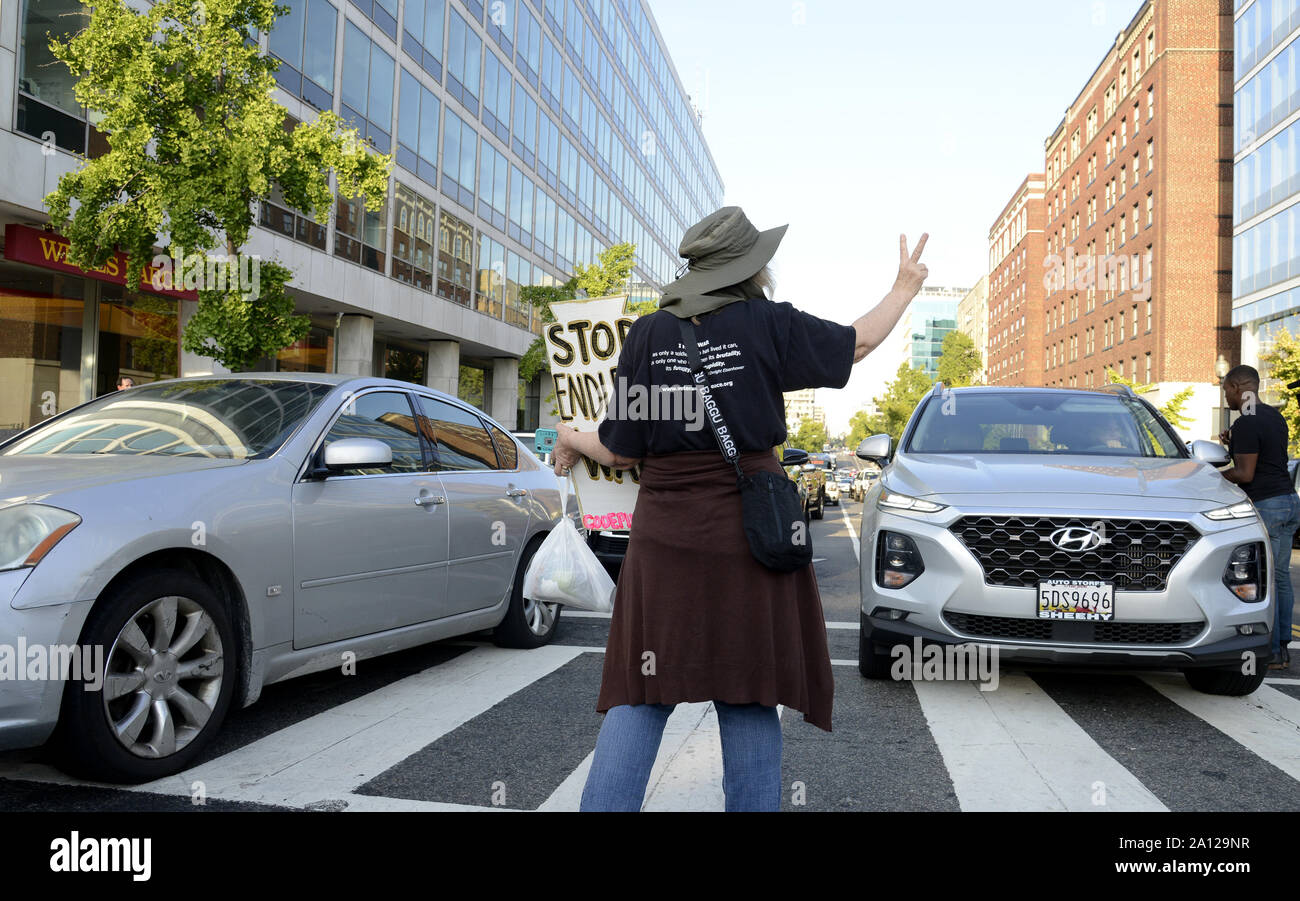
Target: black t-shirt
x,y
1265,433
756,350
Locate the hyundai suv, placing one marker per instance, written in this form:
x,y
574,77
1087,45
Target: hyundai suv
x,y
1063,526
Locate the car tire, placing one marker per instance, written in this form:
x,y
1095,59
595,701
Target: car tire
x,y
871,663
1223,681
526,623
155,704
821,508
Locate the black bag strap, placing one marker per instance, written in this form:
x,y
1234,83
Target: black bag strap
x,y
712,413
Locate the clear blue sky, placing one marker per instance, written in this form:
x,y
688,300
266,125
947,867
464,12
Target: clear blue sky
x,y
855,120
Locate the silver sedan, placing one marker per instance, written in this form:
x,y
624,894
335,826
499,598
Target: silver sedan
x,y
168,550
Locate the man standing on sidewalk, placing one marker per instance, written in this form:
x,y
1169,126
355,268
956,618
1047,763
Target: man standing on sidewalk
x,y
1258,443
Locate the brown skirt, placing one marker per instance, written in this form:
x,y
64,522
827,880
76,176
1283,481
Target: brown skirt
x,y
696,617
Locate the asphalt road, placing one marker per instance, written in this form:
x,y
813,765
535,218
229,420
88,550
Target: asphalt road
x,y
465,725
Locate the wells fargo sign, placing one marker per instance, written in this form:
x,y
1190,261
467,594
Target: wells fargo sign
x,y
50,251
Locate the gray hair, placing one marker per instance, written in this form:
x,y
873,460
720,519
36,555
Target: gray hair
x,y
761,284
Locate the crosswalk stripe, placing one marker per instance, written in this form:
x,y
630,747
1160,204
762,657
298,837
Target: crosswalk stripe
x,y
1267,722
328,755
1015,749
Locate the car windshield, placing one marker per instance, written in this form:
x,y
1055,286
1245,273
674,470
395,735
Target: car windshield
x,y
231,419
1031,422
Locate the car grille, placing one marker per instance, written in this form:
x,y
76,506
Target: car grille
x,y
1072,631
611,545
1015,550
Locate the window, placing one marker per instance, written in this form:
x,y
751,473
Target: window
x,y
1147,378
552,82
528,59
572,100
1148,314
548,144
1092,168
413,238
496,96
1134,318
507,452
1151,102
1121,327
1123,180
276,214
422,33
525,125
1123,80
382,12
464,55
417,129
459,440
501,24
491,276
455,258
359,234
1151,47
303,41
564,243
1151,154
522,191
544,226
493,200
568,170
384,416
367,88
459,143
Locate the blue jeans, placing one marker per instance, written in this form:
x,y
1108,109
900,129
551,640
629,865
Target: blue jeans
x,y
1281,516
629,742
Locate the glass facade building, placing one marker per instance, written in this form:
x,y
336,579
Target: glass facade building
x,y
1266,173
528,136
930,317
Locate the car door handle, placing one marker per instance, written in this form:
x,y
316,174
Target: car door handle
x,y
430,500
515,492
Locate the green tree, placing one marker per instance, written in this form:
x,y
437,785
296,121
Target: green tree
x,y
859,428
1282,364
959,360
811,436
899,400
1172,409
195,139
606,277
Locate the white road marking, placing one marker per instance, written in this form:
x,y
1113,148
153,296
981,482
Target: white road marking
x,y
1266,722
326,756
857,552
1016,749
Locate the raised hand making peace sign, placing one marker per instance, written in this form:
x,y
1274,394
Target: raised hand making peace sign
x,y
911,272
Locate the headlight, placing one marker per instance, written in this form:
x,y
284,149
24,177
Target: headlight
x,y
890,500
1244,510
30,531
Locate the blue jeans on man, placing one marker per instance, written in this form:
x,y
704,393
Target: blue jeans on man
x,y
1281,516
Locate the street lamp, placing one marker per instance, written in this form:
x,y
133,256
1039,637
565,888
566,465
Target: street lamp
x,y
1221,368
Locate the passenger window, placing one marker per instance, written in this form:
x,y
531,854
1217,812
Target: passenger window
x,y
385,416
507,453
458,436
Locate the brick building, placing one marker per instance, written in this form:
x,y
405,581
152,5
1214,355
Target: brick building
x,y
1014,353
1137,271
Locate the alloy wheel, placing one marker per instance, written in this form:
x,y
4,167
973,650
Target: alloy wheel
x,y
164,676
540,617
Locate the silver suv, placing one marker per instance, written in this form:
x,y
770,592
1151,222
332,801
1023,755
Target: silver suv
x,y
1063,526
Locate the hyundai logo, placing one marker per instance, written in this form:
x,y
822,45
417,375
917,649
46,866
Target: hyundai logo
x,y
1075,538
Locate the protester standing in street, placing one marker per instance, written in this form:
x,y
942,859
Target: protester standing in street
x,y
1258,443
696,616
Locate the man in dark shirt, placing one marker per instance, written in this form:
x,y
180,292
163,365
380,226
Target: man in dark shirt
x,y
1258,442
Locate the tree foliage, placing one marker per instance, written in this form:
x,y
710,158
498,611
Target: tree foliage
x,y
1282,363
896,404
959,360
811,436
606,277
195,139
1172,409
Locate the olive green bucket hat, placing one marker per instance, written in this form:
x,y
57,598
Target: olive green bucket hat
x,y
722,249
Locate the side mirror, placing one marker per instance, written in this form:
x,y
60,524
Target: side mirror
x,y
1209,452
877,449
357,453
793,456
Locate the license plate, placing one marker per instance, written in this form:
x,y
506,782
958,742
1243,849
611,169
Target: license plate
x,y
1084,599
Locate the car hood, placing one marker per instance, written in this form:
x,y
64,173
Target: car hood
x,y
34,478
1035,474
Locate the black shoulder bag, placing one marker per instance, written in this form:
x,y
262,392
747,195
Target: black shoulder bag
x,y
774,523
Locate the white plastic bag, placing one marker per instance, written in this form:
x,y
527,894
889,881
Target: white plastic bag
x,y
565,571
